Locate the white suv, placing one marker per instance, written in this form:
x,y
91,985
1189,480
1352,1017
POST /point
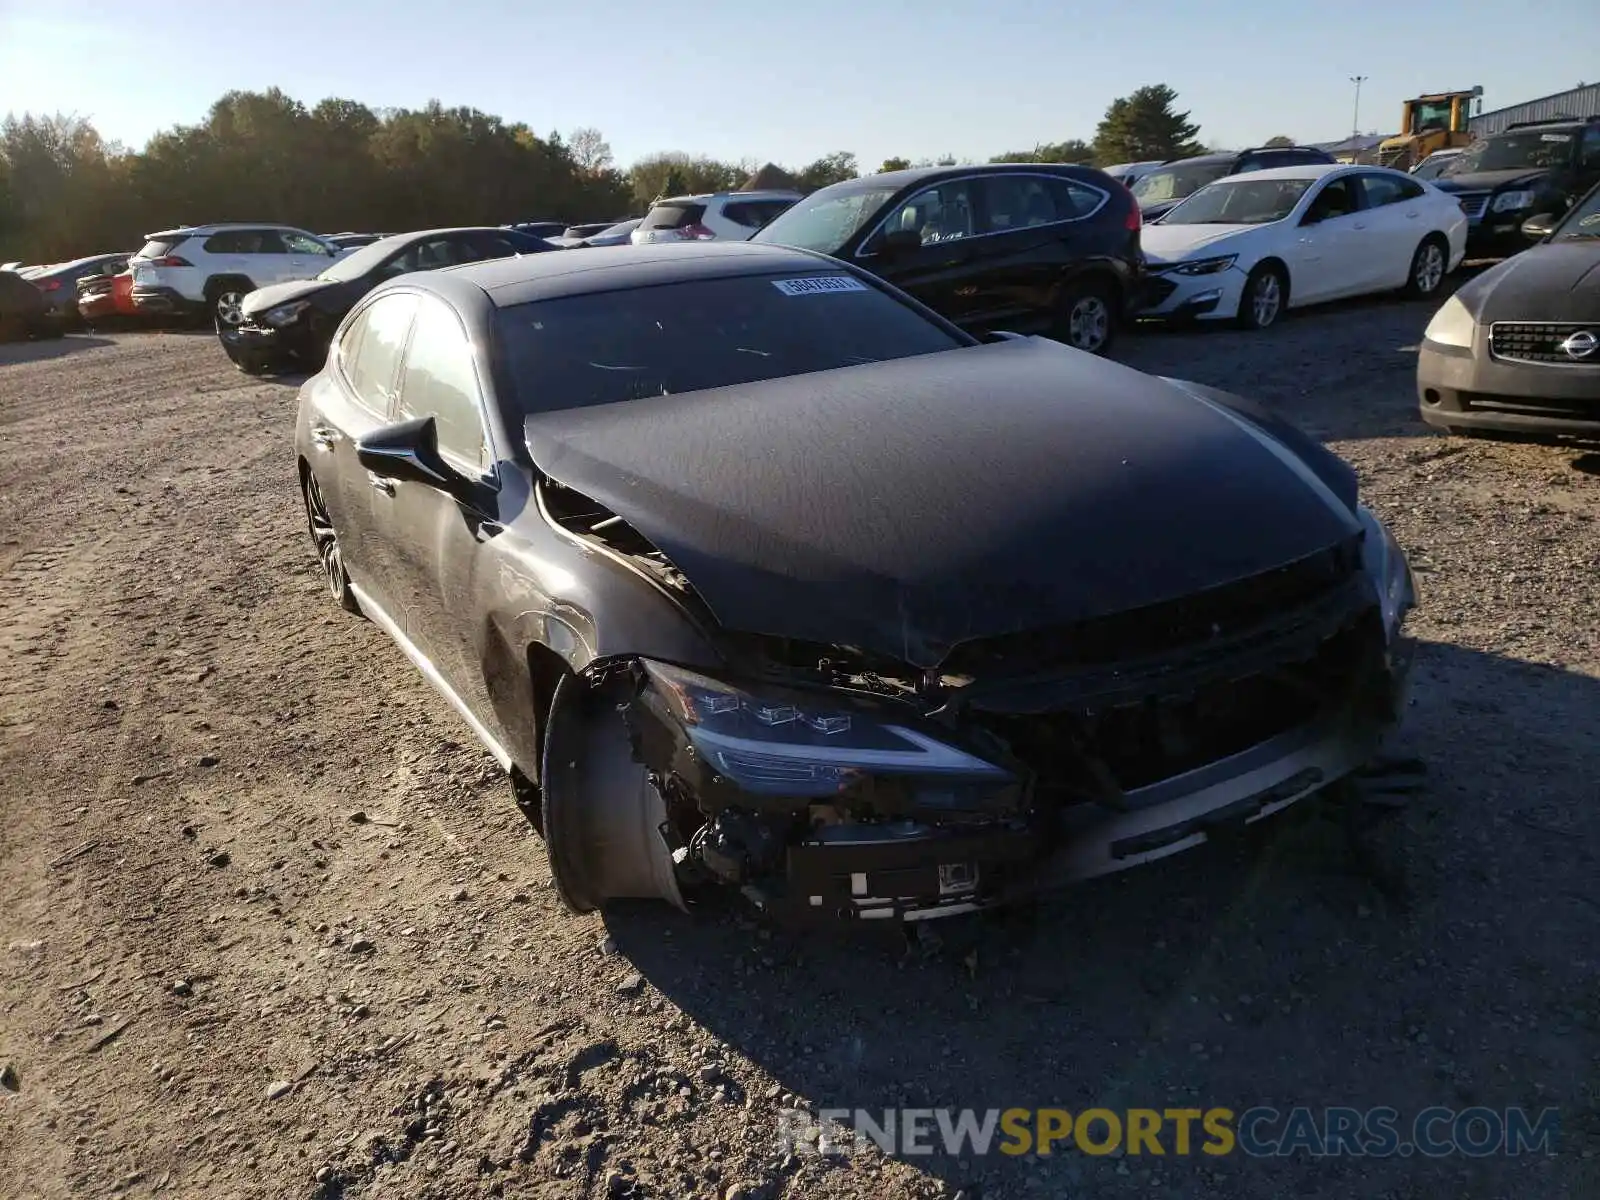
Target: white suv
x,y
731,216
206,270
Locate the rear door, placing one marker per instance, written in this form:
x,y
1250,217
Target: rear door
x,y
937,272
1037,231
1395,207
354,397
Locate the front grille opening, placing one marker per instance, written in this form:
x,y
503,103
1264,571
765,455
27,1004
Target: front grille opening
x,y
1158,737
1536,341
1159,628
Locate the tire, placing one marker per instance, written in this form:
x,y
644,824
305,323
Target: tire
x,y
1264,298
600,813
223,299
1086,316
325,540
1429,266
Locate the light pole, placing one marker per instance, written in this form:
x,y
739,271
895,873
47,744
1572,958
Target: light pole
x,y
1355,118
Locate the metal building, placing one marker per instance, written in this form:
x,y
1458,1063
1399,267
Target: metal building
x,y
1581,101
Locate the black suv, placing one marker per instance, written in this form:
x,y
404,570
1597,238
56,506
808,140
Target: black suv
x,y
1530,169
1169,185
1023,247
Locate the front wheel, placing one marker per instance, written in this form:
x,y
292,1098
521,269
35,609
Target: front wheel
x,y
1087,317
1428,267
227,306
1261,303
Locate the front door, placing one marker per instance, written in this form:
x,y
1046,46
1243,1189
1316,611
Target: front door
x,y
1326,256
432,544
308,257
936,272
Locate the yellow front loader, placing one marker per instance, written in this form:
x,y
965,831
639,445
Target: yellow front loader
x,y
1437,121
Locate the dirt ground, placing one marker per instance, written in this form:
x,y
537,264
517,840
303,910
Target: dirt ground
x,y
271,926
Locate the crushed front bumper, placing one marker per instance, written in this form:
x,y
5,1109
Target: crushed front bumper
x,y
885,853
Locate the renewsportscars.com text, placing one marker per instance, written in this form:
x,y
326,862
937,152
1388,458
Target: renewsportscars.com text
x,y
1258,1132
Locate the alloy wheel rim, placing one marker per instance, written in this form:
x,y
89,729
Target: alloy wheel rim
x,y
1264,303
229,311
1430,269
324,538
1087,323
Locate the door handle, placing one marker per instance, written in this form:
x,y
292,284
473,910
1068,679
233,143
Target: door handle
x,y
1358,227
1413,215
323,438
380,484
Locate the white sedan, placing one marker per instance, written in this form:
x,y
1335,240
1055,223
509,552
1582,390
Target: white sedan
x,y
1250,246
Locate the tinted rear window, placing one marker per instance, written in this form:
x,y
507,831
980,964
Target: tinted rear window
x,y
161,247
673,216
684,337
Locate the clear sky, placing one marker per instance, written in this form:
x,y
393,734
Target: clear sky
x,y
792,81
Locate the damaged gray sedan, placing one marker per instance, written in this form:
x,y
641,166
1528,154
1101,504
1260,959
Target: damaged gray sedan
x,y
751,571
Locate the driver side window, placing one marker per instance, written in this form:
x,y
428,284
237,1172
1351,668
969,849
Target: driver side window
x,y
942,213
439,381
1337,199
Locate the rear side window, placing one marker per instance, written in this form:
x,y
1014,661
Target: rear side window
x,y
370,350
245,241
161,247
684,337
439,381
1389,189
753,214
1023,201
673,216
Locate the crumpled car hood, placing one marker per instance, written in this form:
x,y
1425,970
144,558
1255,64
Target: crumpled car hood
x,y
1479,180
905,506
274,294
1556,281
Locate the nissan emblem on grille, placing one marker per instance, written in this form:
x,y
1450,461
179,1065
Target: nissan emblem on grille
x,y
1580,345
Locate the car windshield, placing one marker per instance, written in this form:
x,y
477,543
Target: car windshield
x,y
1581,221
1178,180
1242,201
1514,151
1432,167
358,262
620,228
604,347
826,220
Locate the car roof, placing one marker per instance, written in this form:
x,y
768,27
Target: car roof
x,y
511,281
222,227
1304,171
915,175
51,268
701,197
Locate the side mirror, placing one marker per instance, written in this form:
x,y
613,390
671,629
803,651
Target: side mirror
x,y
1311,218
1538,227
409,453
897,243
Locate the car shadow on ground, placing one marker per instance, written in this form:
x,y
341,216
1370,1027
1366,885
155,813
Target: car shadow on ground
x,y
47,348
1450,964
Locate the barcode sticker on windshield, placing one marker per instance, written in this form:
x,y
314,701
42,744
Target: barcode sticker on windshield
x,y
1555,137
814,285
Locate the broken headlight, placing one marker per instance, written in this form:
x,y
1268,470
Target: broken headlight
x,y
1391,574
802,744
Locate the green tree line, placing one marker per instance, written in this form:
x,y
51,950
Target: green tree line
x,y
66,191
